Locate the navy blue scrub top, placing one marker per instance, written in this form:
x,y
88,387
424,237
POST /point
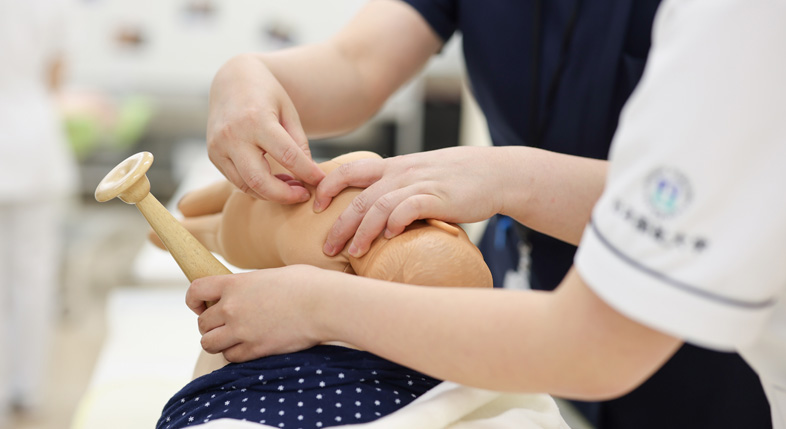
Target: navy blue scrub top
x,y
549,73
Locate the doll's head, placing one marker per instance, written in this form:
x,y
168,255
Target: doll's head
x,y
429,253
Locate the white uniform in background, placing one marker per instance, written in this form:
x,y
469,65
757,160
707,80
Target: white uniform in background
x,y
689,236
37,170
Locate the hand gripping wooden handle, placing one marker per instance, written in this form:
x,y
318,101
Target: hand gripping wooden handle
x,y
128,182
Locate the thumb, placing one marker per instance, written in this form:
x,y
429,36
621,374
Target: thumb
x,y
204,290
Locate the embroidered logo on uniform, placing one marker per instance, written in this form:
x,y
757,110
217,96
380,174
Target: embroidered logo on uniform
x,y
668,192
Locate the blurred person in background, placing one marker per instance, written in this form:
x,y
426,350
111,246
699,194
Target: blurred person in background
x,y
37,173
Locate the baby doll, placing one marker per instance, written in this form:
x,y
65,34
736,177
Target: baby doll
x,y
253,233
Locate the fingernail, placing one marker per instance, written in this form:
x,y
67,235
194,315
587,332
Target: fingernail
x,y
388,234
353,250
328,249
317,207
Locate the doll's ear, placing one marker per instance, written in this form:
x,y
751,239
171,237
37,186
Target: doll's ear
x,y
207,200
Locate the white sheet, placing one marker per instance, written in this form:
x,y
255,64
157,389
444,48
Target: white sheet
x,y
151,346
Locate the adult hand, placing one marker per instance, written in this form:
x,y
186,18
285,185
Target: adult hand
x,y
455,185
250,114
258,313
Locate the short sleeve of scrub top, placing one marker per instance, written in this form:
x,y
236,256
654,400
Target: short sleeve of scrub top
x,y
689,236
440,14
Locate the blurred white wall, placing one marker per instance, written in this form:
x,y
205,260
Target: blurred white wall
x,y
183,42
169,50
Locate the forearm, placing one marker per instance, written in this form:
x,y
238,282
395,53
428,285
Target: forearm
x,y
339,84
550,192
329,92
497,339
294,69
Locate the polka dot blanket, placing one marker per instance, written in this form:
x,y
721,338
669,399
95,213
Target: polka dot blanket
x,y
316,388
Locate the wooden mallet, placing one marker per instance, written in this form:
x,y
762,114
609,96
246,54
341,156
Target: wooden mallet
x,y
128,182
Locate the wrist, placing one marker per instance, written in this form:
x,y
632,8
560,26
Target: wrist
x,y
337,307
241,71
321,308
515,179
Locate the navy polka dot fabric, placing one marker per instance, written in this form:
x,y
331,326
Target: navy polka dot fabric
x,y
316,388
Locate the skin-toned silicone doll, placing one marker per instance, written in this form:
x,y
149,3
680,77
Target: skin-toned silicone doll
x,y
253,233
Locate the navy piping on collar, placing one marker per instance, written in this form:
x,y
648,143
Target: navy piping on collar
x,y
752,305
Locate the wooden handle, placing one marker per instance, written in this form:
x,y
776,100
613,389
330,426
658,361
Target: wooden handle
x,y
128,182
192,257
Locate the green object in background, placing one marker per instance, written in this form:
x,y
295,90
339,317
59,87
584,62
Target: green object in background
x,y
84,133
121,128
132,120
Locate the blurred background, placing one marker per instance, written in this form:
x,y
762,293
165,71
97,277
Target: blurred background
x,y
132,76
